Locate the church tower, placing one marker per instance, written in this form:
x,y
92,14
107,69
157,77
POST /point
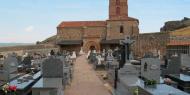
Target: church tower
x,y
119,23
118,9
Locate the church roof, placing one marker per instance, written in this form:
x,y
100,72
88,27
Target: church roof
x,y
82,24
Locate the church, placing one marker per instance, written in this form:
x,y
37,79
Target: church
x,y
98,35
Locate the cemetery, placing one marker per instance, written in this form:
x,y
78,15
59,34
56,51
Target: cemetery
x,y
35,74
146,76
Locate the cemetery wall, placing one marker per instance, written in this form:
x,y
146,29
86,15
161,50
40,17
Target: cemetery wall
x,y
151,42
27,48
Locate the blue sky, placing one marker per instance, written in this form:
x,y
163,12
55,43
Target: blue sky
x,y
32,20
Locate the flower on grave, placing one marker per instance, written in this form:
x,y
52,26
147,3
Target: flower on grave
x,y
136,92
9,89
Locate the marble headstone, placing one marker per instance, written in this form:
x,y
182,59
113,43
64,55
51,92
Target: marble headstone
x,y
52,67
150,69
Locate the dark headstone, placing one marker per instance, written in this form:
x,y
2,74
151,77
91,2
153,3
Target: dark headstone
x,y
52,67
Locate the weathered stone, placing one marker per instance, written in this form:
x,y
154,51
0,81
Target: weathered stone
x,y
174,25
52,67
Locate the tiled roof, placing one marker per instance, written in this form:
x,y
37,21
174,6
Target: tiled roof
x,y
82,24
178,43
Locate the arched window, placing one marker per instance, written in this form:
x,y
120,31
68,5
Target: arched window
x,y
118,10
121,29
117,2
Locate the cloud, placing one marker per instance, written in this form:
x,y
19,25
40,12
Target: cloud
x,y
29,28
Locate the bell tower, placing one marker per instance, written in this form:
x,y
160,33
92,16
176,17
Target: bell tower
x,y
118,9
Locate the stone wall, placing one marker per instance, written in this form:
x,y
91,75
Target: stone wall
x,y
150,42
69,33
41,48
129,28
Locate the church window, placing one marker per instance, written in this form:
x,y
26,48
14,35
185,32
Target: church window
x,y
121,29
118,11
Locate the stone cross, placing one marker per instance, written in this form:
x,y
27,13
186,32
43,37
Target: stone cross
x,y
127,43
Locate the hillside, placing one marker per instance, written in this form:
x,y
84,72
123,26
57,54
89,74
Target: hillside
x,y
175,25
50,40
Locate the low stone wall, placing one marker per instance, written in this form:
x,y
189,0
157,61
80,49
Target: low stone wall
x,y
151,42
20,50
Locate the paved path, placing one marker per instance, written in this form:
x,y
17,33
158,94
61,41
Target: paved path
x,y
85,81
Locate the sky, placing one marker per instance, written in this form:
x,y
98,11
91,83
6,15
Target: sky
x,y
28,21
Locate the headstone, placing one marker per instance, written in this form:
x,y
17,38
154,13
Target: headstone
x,y
92,56
52,67
74,55
109,58
172,66
150,69
185,60
81,51
9,68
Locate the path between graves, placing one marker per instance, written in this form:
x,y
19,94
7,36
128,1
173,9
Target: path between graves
x,y
85,81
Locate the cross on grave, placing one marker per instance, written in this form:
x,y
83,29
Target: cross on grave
x,y
127,43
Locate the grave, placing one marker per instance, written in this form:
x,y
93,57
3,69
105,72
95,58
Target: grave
x,y
52,67
127,80
48,86
112,66
159,89
182,80
127,74
53,77
25,83
172,66
9,68
185,60
150,69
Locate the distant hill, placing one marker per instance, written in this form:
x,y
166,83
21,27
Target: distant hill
x,y
50,40
14,44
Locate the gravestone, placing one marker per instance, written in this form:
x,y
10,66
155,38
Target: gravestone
x,y
81,51
172,66
150,69
185,60
9,68
92,57
109,58
52,67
